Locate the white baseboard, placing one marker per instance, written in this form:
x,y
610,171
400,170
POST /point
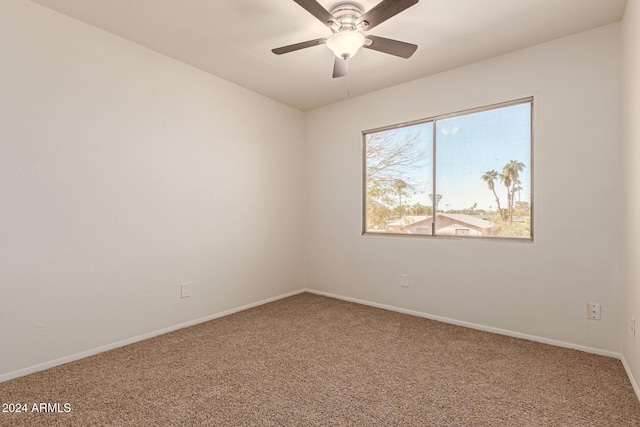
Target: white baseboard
x,y
471,325
634,384
82,355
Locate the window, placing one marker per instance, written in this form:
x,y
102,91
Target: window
x,y
472,169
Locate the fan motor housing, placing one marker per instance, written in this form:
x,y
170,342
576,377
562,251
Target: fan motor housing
x,y
346,13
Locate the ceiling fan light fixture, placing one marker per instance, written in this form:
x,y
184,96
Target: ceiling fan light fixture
x,y
345,44
347,20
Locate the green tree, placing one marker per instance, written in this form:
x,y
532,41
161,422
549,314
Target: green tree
x,y
394,162
522,209
400,187
420,209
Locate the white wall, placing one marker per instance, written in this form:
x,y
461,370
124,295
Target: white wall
x,y
124,173
539,288
631,101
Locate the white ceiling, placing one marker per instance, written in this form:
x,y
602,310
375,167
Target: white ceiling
x,y
233,39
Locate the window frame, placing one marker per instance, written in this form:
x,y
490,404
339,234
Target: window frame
x,y
434,119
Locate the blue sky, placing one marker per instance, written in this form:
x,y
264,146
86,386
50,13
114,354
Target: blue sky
x,y
470,145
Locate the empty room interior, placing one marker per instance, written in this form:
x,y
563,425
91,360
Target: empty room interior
x,y
165,167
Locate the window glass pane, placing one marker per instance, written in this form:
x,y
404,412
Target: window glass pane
x,y
483,173
482,185
398,180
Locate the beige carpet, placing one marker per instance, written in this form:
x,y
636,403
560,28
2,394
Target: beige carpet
x,y
311,360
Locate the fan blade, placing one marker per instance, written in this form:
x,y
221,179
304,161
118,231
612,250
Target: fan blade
x,y
321,14
383,11
298,46
340,67
390,46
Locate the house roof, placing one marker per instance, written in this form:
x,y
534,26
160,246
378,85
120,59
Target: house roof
x,y
471,220
406,221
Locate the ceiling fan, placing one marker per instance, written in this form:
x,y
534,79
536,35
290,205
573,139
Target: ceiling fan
x,y
347,21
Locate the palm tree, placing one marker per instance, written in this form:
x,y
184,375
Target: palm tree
x,y
490,178
517,187
506,180
510,174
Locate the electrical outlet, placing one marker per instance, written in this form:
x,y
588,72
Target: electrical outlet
x,y
593,311
185,290
404,280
